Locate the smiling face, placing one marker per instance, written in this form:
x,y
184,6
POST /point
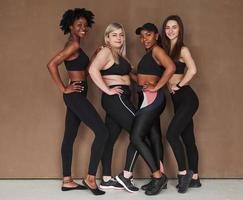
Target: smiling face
x,y
172,30
79,27
116,38
148,38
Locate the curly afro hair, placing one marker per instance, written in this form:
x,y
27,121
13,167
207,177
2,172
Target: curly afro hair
x,y
70,16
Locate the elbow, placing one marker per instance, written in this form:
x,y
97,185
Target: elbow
x,y
193,72
49,66
90,71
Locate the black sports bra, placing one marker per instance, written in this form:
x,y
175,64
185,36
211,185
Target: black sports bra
x,y
123,68
180,67
78,64
148,65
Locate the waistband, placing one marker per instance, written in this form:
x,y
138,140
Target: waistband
x,y
140,89
82,82
125,88
122,86
182,90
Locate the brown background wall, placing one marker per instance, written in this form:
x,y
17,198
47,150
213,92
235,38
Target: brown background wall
x,y
31,107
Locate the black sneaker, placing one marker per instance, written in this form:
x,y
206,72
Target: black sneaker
x,y
111,184
127,183
184,181
149,185
195,183
157,184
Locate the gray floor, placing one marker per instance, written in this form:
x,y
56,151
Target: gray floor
x,y
212,189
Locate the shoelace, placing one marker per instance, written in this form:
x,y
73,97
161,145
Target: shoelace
x,y
112,179
132,182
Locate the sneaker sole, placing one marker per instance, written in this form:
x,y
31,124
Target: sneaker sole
x,y
111,187
124,185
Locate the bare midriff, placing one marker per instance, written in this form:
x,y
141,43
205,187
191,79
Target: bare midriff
x,y
144,79
174,80
116,80
77,75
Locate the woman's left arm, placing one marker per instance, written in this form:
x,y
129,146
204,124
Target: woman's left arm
x,y
191,67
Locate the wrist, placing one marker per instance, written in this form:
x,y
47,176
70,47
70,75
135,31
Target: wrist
x,y
107,90
63,89
156,88
178,85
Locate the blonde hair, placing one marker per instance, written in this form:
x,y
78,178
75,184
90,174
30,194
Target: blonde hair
x,y
110,28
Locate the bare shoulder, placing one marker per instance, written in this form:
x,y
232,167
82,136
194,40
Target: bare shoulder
x,y
71,47
104,55
185,51
106,49
157,50
72,44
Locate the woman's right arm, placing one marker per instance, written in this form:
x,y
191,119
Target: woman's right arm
x,y
98,63
56,61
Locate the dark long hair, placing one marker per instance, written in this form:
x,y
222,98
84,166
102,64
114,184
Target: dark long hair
x,y
166,44
159,41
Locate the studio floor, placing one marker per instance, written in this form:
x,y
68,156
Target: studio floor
x,y
212,189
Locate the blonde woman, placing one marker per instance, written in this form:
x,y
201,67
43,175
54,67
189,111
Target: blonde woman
x,y
110,70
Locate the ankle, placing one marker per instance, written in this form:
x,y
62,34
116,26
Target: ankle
x,y
182,172
161,166
91,181
90,177
67,179
157,174
127,174
195,176
106,178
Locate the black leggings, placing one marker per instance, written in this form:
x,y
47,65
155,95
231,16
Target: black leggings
x,y
180,129
79,109
120,113
146,124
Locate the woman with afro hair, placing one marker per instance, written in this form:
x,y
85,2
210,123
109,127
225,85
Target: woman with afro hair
x,y
76,23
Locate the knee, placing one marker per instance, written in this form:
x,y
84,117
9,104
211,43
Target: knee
x,y
190,145
102,135
105,136
155,137
171,137
136,140
68,141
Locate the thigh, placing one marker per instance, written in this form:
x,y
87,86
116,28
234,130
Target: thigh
x,y
71,119
142,124
120,109
113,128
72,123
86,112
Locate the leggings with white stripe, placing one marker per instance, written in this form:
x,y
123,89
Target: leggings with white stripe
x,y
120,113
152,105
